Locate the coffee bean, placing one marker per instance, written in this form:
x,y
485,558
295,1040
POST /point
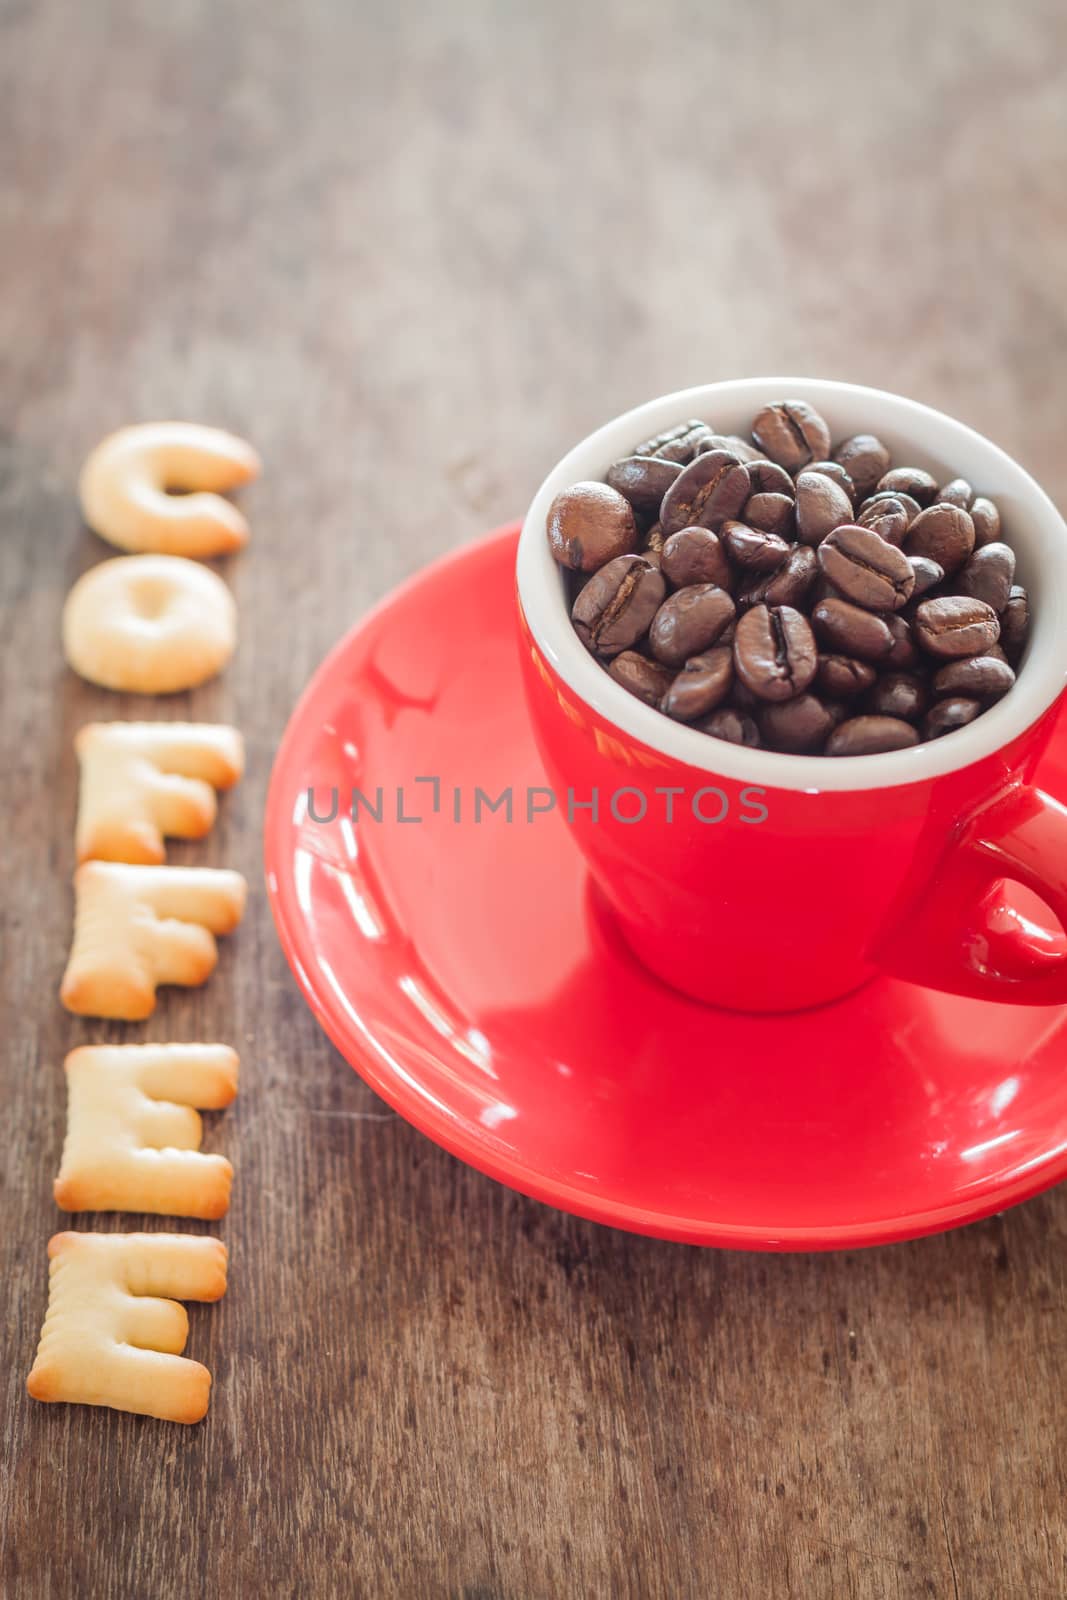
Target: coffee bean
x,y
978,677
767,477
1015,624
774,513
822,506
652,544
589,525
732,443
911,481
643,480
789,585
753,549
851,631
955,625
887,517
903,655
713,488
774,652
733,726
617,605
866,569
871,736
695,555
792,433
957,492
843,677
689,622
743,698
703,683
898,694
927,574
989,575
675,444
986,519
865,459
800,726
943,533
948,715
648,680
835,471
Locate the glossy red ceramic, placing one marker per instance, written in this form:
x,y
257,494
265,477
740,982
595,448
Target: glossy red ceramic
x,y
469,973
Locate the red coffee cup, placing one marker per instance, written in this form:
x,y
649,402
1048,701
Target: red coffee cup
x,y
768,882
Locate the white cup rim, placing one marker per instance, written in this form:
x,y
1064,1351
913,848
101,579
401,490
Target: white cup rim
x,y
1031,523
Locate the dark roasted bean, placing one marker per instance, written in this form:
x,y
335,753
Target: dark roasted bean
x,y
843,677
912,481
695,555
774,652
899,500
617,605
955,625
713,488
989,575
648,680
822,505
589,525
753,549
865,459
792,433
643,480
774,513
834,470
850,631
767,477
986,519
945,716
903,655
733,726
943,533
887,518
703,683
800,726
866,569
675,444
898,694
870,736
979,677
689,622
732,443
789,585
957,492
927,575
1015,624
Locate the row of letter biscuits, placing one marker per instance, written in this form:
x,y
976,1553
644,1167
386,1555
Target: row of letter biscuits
x,y
151,623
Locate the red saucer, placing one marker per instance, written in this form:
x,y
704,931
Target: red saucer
x,y
465,970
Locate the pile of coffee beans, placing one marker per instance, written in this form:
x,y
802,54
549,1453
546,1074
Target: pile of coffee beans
x,y
784,594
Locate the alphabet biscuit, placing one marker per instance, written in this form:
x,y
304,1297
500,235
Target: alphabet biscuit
x,y
149,624
136,927
112,1335
124,484
133,1137
141,780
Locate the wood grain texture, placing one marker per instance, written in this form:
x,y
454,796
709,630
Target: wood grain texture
x,y
412,253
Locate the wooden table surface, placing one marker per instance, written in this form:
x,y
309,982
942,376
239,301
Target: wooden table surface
x,y
413,252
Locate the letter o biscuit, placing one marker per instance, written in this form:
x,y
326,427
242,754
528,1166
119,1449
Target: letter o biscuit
x,y
149,624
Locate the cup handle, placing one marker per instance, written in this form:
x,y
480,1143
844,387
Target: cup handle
x,y
964,937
